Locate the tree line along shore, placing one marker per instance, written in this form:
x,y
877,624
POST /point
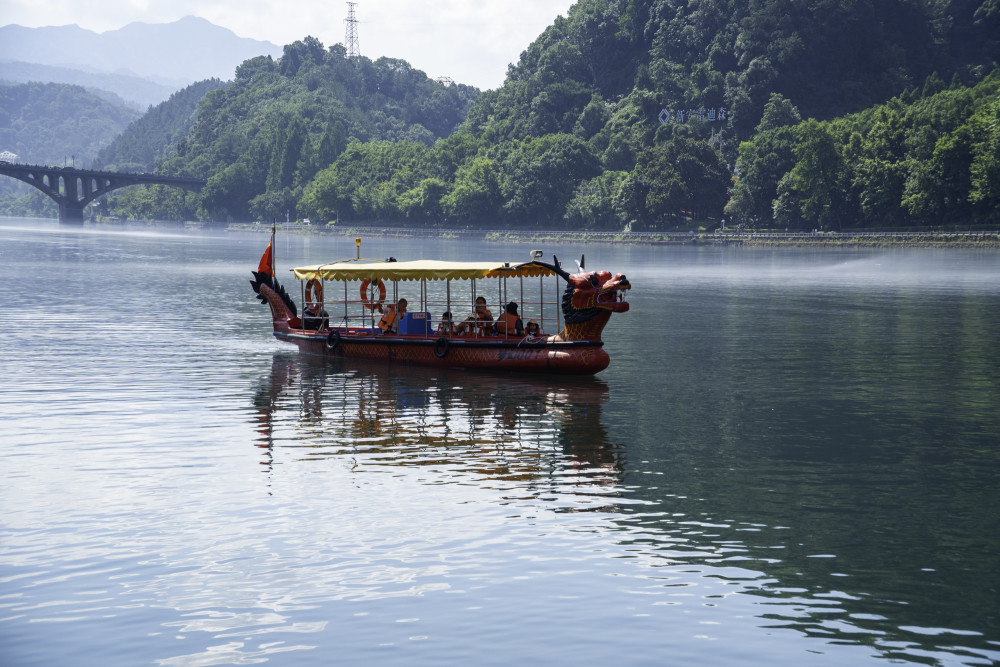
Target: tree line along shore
x,y
932,238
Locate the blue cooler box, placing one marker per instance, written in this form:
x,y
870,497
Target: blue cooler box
x,y
416,324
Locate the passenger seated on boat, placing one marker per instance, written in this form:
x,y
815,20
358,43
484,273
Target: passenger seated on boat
x,y
532,329
509,322
446,327
389,323
315,317
481,318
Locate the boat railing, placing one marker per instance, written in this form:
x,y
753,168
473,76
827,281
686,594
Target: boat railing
x,y
358,317
348,307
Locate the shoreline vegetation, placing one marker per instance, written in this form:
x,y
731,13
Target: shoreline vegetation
x,y
852,239
931,238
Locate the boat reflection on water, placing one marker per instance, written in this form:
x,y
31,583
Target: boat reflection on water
x,y
692,548
493,426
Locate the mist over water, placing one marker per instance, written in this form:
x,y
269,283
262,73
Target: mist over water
x,y
793,458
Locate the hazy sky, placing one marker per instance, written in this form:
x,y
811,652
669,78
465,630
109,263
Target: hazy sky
x,y
471,41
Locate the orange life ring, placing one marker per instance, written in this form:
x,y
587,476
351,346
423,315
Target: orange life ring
x,y
314,292
368,301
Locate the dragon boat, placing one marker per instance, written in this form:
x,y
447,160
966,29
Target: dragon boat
x,y
360,322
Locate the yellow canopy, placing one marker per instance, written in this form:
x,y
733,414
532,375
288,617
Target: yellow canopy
x,y
423,269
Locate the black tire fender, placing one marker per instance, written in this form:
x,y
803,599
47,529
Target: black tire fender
x,y
441,347
333,339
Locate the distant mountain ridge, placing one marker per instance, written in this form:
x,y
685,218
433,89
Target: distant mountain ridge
x,y
137,92
44,123
175,54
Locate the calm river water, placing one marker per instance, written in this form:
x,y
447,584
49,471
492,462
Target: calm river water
x,y
794,458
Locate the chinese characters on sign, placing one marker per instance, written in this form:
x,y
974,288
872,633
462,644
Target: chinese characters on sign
x,y
684,115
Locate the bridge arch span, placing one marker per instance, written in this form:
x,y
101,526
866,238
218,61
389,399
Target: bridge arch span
x,y
72,189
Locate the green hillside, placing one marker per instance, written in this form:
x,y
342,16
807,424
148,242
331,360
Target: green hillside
x,y
632,114
52,124
625,114
261,139
829,57
928,158
153,136
46,123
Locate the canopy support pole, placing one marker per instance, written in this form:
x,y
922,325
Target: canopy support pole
x,y
541,300
558,309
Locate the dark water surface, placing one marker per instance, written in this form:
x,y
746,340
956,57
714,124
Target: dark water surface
x,y
794,458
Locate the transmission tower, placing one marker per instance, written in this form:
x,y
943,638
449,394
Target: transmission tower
x,y
351,40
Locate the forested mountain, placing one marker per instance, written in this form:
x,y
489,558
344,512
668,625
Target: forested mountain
x,y
631,113
263,137
156,134
923,158
46,123
626,114
52,123
829,57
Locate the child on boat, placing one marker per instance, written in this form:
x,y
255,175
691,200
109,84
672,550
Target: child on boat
x,y
446,327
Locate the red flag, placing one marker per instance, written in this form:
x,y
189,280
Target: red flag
x,y
266,262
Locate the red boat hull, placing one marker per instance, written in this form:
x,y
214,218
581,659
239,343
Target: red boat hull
x,y
497,354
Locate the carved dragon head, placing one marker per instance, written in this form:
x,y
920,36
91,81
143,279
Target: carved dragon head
x,y
588,301
270,291
587,294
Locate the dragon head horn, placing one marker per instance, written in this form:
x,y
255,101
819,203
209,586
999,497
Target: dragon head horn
x,y
555,266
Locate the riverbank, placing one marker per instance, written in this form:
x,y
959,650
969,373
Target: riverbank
x,y
869,239
849,239
853,239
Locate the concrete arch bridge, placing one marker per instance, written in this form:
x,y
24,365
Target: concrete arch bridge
x,y
72,189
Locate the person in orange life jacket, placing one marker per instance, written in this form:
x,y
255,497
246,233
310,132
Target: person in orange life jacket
x,y
531,329
390,320
446,327
482,318
509,322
